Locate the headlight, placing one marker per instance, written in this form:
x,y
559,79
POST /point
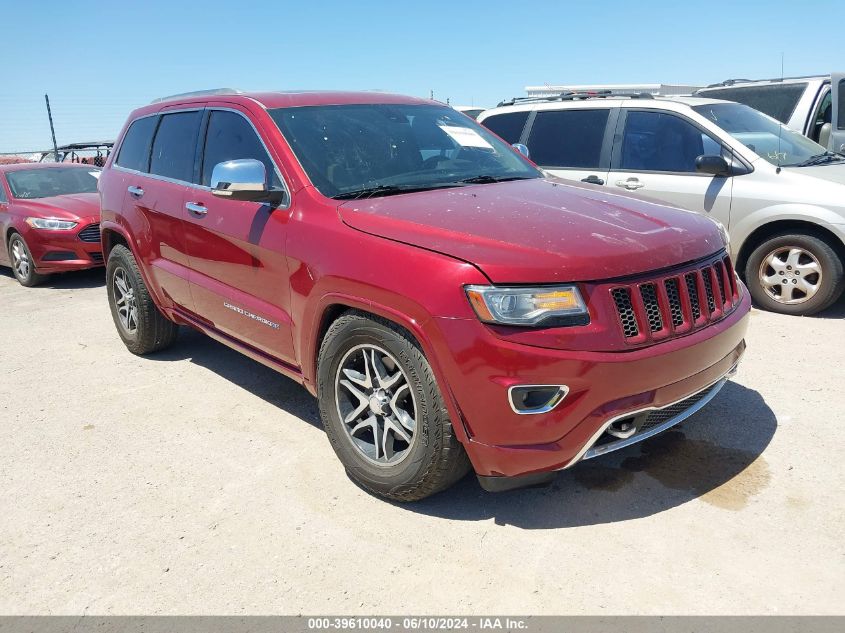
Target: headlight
x,y
547,305
51,224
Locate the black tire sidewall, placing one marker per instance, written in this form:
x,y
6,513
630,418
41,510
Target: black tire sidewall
x,y
832,274
423,452
119,260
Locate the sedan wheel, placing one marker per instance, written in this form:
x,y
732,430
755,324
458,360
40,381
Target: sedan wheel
x,y
23,264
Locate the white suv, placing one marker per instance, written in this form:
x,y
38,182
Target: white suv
x,y
781,195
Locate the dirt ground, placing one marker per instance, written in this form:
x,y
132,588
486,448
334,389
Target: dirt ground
x,y
198,481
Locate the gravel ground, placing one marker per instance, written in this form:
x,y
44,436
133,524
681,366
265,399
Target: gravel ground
x,y
198,481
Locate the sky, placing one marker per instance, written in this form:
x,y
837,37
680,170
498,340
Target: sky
x,y
99,60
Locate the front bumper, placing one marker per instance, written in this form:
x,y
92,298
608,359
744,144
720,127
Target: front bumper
x,y
603,387
61,251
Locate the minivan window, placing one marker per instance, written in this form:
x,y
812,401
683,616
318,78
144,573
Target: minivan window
x,y
508,125
380,149
840,111
175,144
568,138
135,149
776,100
46,182
3,198
761,134
230,137
655,141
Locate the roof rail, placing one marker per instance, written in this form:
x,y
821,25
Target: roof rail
x,y
199,93
731,82
576,96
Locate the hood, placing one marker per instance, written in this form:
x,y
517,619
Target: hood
x,y
834,172
68,207
540,231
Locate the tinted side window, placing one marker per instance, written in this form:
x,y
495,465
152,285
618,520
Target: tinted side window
x,y
568,138
840,110
135,149
175,144
3,197
229,137
778,101
508,125
654,141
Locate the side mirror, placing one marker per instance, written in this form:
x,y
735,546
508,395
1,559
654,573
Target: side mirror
x,y
243,179
522,149
715,165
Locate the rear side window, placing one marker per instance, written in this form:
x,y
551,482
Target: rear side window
x,y
568,138
3,198
776,100
654,141
135,149
230,137
508,126
174,146
840,110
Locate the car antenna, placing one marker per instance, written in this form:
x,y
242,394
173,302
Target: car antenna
x,y
780,126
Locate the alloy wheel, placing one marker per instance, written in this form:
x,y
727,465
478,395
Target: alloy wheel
x,y
124,300
20,259
790,275
376,404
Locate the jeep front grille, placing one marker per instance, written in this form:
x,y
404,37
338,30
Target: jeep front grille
x,y
655,309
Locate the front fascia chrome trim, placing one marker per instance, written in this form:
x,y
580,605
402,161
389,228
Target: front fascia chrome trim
x,y
587,451
193,185
563,391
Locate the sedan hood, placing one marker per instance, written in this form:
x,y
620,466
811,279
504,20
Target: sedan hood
x,y
540,231
68,207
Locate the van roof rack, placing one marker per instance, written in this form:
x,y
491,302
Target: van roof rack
x,y
576,96
731,82
199,93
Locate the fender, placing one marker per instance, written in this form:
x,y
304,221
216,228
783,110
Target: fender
x,y
421,326
746,225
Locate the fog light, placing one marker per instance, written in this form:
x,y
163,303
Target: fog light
x,y
530,399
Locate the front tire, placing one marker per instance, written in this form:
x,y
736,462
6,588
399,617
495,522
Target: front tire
x,y
383,411
798,274
141,326
23,265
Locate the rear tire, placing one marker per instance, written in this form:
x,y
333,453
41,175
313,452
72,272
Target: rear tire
x,y
139,323
401,445
23,265
798,274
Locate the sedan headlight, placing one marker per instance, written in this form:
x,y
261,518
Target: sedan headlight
x,y
547,305
51,224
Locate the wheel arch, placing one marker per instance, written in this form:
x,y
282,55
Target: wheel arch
x,y
779,227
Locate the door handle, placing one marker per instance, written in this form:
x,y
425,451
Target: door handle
x,y
196,208
593,180
630,184
135,191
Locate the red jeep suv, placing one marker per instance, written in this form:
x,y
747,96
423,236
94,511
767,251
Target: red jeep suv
x,y
449,305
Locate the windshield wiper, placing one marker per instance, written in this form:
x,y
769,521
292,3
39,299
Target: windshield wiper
x,y
484,179
387,190
820,159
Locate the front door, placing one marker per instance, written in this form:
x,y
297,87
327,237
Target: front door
x,y
654,155
239,277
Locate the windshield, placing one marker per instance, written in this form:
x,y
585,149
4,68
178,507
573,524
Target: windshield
x,y
376,149
46,182
762,134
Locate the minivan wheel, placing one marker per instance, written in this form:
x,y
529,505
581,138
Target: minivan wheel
x,y
383,411
23,265
796,274
140,324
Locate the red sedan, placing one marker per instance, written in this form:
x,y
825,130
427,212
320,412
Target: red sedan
x,y
49,219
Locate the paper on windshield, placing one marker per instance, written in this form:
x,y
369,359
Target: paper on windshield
x,y
465,137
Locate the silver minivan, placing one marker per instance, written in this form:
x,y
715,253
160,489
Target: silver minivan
x,y
781,195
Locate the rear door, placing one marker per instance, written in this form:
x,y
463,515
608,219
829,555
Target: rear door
x,y
240,280
837,135
655,154
573,143
4,219
155,195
